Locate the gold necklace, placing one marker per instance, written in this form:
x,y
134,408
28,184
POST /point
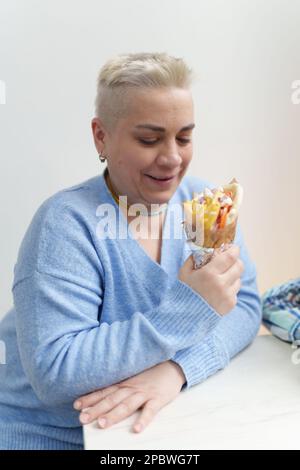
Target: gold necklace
x,y
162,208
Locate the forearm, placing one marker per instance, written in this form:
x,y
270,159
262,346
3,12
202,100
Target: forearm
x,y
233,333
66,354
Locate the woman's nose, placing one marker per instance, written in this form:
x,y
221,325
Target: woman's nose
x,y
170,157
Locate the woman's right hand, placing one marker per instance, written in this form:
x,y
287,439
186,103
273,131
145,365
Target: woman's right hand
x,y
219,281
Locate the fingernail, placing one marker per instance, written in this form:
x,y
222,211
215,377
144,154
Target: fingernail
x,y
138,427
77,405
102,422
84,418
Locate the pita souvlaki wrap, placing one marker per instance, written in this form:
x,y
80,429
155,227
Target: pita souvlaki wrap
x,y
211,220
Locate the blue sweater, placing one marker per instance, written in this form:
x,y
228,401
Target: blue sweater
x,y
91,311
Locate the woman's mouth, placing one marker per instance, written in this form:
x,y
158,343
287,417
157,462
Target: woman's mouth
x,y
161,180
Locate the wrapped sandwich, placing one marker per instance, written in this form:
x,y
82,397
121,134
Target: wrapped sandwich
x,y
211,220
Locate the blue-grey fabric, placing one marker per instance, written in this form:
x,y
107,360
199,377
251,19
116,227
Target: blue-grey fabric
x,y
281,310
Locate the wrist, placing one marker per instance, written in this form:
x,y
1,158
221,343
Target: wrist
x,y
179,372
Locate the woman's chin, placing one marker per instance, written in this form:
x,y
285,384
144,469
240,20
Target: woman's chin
x,y
159,197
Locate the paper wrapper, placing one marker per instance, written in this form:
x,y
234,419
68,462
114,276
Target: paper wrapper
x,y
215,242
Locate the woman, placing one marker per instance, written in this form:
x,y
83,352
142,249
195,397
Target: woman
x,y
106,321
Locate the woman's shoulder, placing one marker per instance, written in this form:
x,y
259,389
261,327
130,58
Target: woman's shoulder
x,y
70,194
70,199
66,209
60,226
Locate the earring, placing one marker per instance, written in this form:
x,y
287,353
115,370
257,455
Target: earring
x,y
102,158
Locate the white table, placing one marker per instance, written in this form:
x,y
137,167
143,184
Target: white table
x,y
252,404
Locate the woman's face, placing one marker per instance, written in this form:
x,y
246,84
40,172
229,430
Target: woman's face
x,y
137,155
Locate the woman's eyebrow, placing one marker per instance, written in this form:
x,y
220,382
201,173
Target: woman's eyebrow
x,y
162,129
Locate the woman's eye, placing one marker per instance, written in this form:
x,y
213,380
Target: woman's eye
x,y
148,142
151,142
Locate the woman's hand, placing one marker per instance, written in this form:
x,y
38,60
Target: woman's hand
x,y
152,389
219,281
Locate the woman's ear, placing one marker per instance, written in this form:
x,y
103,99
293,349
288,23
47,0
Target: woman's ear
x,y
98,134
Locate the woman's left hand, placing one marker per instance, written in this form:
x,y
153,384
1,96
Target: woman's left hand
x,y
152,389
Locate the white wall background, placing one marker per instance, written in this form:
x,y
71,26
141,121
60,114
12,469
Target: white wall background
x,y
247,54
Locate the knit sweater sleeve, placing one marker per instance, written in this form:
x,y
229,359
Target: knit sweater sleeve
x,y
65,348
233,333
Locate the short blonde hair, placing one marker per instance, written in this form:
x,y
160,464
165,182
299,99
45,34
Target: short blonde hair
x,y
123,73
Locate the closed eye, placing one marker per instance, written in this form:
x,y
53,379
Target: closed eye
x,y
152,142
